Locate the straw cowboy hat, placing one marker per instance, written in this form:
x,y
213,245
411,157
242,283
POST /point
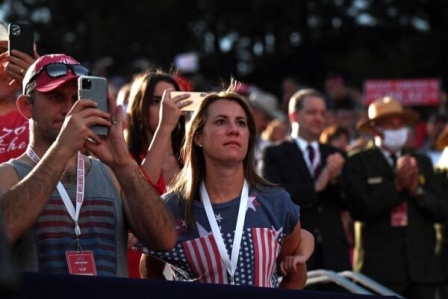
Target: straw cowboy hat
x,y
384,108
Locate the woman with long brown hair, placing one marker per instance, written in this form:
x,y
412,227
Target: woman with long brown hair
x,y
233,226
156,130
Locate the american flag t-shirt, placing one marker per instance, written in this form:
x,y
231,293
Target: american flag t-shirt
x,y
269,218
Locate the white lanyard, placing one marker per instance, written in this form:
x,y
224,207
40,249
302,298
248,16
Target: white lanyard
x,y
229,263
63,193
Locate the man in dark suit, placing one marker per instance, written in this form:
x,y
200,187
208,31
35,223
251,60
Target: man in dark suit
x,y
394,199
309,171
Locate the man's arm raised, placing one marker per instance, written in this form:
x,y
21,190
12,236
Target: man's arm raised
x,y
147,215
22,202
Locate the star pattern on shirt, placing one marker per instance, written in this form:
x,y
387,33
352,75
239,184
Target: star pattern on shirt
x,y
243,273
218,218
176,263
248,260
202,231
278,233
252,202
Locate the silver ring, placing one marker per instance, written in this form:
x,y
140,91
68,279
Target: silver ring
x,y
22,71
114,122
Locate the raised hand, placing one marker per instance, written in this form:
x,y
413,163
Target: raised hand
x,y
17,65
112,149
76,128
407,173
290,264
330,172
170,110
335,162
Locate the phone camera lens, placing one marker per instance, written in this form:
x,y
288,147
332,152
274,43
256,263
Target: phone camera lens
x,y
87,84
15,29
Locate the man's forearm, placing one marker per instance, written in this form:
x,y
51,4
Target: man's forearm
x,y
149,218
23,203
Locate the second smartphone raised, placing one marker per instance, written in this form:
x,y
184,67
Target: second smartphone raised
x,y
195,96
95,89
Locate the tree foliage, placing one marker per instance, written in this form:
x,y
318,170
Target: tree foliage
x,y
255,40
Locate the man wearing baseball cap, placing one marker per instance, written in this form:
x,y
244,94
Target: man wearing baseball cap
x,y
393,198
62,207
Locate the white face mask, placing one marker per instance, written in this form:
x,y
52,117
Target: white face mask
x,y
394,139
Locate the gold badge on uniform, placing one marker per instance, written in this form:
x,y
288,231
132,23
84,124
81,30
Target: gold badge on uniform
x,y
372,181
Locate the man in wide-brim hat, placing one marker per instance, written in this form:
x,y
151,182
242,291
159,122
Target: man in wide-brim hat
x,y
385,108
394,200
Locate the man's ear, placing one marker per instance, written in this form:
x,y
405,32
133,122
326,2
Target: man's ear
x,y
293,116
24,105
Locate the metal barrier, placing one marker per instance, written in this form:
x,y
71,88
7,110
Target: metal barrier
x,y
325,276
369,283
351,281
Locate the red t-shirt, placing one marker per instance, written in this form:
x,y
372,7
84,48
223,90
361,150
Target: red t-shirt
x,y
14,134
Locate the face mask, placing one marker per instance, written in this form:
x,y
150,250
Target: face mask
x,y
394,139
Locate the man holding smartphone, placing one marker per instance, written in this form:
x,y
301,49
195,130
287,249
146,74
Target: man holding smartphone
x,y
66,212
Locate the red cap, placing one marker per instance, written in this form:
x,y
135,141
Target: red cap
x,y
45,83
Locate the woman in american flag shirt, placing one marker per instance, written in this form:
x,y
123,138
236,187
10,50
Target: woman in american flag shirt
x,y
233,226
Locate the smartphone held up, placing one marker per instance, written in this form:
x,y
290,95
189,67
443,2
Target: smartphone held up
x,y
95,89
195,96
21,38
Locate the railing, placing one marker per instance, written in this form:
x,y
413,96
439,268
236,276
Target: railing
x,y
351,281
55,286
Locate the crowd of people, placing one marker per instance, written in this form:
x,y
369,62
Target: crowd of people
x,y
246,190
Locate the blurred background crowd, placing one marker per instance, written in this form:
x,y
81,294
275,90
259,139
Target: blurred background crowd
x,y
353,52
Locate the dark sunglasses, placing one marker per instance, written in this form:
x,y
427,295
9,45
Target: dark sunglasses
x,y
58,69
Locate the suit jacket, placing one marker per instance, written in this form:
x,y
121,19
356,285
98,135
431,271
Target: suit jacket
x,y
386,253
442,180
284,164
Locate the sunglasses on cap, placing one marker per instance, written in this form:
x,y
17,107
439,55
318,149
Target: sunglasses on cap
x,y
59,69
